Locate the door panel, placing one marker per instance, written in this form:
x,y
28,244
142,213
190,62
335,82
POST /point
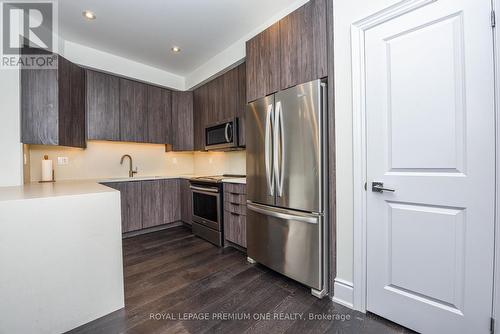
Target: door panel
x,y
430,136
159,115
103,106
152,203
182,121
133,110
286,241
260,181
171,200
299,162
263,63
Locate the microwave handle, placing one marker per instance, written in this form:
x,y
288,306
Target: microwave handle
x,y
226,133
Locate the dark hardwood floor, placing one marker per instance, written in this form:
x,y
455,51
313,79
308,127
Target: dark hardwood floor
x,y
171,275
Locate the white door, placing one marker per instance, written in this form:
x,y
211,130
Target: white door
x,y
430,136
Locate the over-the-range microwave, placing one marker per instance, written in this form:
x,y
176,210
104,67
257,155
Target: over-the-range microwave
x,y
222,136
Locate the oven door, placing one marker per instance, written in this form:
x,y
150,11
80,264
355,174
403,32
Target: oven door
x,y
222,136
206,206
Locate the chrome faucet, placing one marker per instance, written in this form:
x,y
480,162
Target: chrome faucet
x,y
131,172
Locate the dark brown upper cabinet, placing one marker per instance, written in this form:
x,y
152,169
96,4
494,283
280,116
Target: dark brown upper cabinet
x,y
133,111
242,103
219,100
303,41
200,116
229,95
263,63
103,106
159,115
53,105
182,121
290,52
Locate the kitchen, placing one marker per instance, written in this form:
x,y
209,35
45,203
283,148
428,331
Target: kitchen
x,y
192,178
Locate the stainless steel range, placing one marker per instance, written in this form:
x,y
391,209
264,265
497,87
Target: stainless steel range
x,y
208,218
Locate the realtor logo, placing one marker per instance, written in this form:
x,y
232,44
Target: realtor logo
x,y
28,34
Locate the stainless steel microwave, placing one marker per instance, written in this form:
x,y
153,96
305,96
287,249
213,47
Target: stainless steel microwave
x,y
222,136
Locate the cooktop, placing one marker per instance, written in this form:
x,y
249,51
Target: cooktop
x,y
216,178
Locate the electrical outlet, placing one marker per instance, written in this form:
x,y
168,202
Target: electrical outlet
x,y
62,161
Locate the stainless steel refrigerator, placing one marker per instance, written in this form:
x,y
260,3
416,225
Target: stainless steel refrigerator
x,y
287,182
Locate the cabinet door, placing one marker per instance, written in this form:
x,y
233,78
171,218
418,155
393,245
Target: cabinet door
x,y
133,109
71,83
103,106
263,67
213,100
303,41
39,107
159,115
186,202
200,110
171,201
242,104
229,95
152,203
235,228
182,121
131,204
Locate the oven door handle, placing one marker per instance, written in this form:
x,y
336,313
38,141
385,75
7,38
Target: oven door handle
x,y
210,190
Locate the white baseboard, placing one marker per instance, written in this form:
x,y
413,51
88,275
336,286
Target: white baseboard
x,y
343,292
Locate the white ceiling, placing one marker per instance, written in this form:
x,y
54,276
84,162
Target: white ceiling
x,y
144,31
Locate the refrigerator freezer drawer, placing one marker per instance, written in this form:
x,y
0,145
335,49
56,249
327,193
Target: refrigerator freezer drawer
x,y
286,241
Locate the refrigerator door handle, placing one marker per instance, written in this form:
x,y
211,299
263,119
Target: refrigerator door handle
x,y
283,213
267,147
279,148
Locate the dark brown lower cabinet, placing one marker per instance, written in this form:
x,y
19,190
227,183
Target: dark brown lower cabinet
x,y
235,214
131,203
152,203
171,201
186,202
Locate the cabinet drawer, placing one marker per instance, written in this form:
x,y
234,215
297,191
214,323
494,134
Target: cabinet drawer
x,y
235,228
235,188
237,208
235,198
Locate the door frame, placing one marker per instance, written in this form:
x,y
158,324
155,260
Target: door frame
x,y
495,5
358,71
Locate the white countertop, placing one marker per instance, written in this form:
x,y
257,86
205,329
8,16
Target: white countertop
x,y
146,178
55,189
240,180
80,187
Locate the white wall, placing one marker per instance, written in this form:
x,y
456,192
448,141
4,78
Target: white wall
x,y
235,52
122,66
11,152
346,12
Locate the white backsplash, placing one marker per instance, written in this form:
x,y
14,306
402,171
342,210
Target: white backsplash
x,y
217,163
101,159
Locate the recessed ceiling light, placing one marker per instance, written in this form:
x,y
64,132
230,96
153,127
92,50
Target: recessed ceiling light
x,y
88,15
176,49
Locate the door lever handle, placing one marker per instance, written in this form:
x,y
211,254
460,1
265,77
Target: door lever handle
x,y
378,187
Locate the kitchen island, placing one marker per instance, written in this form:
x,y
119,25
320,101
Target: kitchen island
x,y
60,256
